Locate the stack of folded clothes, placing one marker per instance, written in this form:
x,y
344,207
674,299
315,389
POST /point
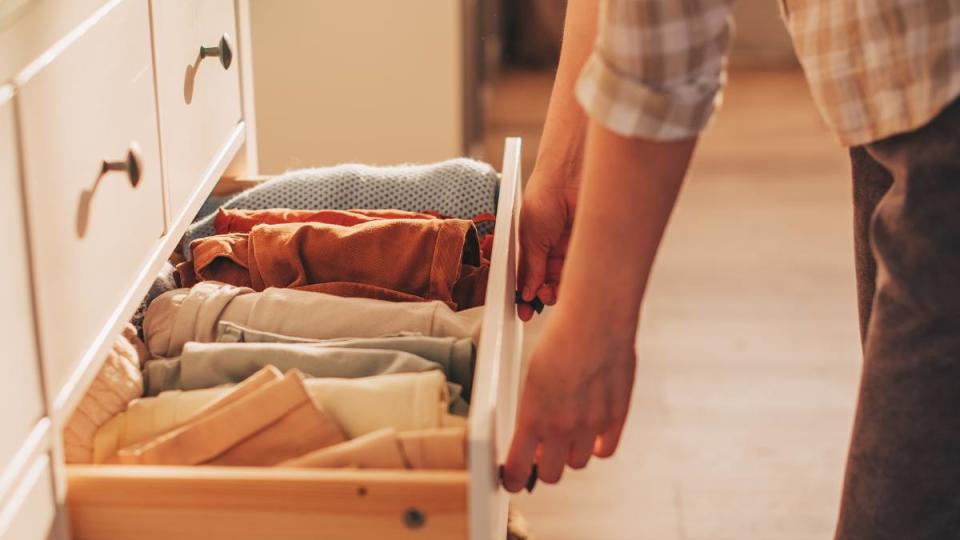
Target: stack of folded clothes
x,y
326,318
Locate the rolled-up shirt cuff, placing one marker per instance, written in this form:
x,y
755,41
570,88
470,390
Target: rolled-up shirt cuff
x,y
632,108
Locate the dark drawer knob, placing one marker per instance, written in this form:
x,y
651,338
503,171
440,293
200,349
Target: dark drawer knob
x,y
132,165
223,51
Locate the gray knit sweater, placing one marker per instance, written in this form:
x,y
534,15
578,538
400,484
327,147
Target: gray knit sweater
x,y
460,188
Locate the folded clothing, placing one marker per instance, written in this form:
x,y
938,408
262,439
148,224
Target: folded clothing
x,y
442,449
117,383
405,402
460,188
243,221
193,314
402,260
265,420
205,365
456,356
165,281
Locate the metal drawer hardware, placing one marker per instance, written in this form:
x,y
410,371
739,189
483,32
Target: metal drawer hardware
x,y
223,50
133,165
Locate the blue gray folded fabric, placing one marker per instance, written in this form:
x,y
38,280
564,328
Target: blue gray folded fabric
x,y
459,188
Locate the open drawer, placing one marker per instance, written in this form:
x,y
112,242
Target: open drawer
x,y
119,502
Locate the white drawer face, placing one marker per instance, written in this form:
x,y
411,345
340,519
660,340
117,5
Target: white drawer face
x,y
21,401
28,28
199,98
29,511
493,407
91,232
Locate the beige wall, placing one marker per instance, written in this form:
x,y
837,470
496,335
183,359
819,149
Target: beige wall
x,y
374,81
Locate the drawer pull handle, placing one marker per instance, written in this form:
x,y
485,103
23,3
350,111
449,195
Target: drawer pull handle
x,y
132,165
223,51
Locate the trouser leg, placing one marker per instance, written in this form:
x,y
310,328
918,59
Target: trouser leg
x,y
903,470
870,182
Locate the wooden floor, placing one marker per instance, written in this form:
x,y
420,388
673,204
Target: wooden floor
x,y
749,356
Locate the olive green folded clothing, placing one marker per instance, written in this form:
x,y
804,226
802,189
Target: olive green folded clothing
x,y
270,423
205,365
403,401
456,356
439,449
183,315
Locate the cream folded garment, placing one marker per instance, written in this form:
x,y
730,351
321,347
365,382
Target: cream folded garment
x,y
443,448
183,315
404,402
117,383
266,419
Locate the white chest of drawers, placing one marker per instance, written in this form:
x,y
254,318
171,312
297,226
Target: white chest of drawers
x,y
114,128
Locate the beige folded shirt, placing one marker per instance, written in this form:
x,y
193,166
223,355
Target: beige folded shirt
x,y
183,315
405,402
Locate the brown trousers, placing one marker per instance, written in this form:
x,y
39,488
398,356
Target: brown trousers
x,y
903,470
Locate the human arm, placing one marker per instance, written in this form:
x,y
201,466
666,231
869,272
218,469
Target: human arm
x,y
650,86
581,374
549,200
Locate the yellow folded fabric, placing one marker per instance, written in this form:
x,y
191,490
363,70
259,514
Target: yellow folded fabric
x,y
404,401
376,450
270,421
442,448
438,449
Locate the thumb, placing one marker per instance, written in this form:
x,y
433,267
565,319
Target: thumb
x,y
533,268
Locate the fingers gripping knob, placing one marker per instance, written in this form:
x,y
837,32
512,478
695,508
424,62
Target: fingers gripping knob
x,y
536,303
531,481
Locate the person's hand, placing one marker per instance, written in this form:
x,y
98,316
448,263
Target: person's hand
x,y
575,398
545,222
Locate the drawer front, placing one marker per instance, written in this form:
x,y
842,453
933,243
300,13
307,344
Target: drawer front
x,y
90,231
21,400
493,407
28,28
199,99
29,511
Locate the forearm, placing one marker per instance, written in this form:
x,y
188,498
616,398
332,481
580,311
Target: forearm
x,y
560,155
629,188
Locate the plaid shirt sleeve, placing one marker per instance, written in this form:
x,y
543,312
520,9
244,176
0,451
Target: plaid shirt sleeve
x,y
658,66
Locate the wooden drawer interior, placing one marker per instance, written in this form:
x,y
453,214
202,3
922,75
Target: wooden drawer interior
x,y
110,502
